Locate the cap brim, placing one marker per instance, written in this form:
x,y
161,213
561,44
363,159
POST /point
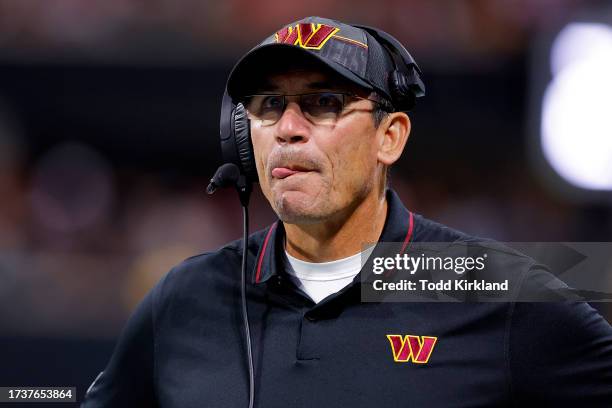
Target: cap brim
x,y
261,59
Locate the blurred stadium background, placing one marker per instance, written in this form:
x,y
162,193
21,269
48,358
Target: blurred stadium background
x,y
109,134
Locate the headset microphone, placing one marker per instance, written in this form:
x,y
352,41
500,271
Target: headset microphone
x,y
225,176
228,175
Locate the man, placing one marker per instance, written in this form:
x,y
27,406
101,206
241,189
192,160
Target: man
x,y
324,131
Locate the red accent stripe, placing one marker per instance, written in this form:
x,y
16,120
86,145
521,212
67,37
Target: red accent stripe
x,y
409,234
353,42
263,252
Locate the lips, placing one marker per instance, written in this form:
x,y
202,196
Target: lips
x,y
288,162
283,172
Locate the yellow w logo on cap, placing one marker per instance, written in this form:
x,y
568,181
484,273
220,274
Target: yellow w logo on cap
x,y
310,36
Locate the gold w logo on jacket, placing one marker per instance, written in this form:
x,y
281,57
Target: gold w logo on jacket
x,y
408,348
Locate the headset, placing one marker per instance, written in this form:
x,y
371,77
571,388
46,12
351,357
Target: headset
x,y
404,82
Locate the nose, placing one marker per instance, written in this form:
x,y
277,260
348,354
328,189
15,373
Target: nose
x,y
292,127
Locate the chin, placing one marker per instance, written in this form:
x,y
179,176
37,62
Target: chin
x,y
296,207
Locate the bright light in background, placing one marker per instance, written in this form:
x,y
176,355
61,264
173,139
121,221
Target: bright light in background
x,y
576,126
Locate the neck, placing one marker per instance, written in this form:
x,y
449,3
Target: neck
x,y
340,237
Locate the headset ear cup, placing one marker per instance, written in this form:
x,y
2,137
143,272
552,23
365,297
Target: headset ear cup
x,y
403,94
244,147
405,83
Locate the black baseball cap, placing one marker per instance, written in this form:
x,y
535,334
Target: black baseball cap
x,y
350,51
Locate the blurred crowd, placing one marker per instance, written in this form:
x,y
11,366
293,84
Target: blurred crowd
x,y
81,242
132,29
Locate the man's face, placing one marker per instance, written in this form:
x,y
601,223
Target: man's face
x,y
311,173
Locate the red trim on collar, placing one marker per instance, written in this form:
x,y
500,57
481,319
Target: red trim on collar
x,y
263,252
409,233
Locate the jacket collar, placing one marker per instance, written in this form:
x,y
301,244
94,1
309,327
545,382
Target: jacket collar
x,y
399,227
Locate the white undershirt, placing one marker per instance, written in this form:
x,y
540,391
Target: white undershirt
x,y
320,279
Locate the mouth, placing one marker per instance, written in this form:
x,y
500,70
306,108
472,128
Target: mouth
x,y
284,172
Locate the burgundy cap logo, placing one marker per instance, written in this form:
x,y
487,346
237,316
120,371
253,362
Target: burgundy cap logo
x,y
306,35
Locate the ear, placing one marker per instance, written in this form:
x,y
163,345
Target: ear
x,y
392,135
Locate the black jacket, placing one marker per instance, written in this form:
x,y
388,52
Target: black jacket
x,y
184,346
